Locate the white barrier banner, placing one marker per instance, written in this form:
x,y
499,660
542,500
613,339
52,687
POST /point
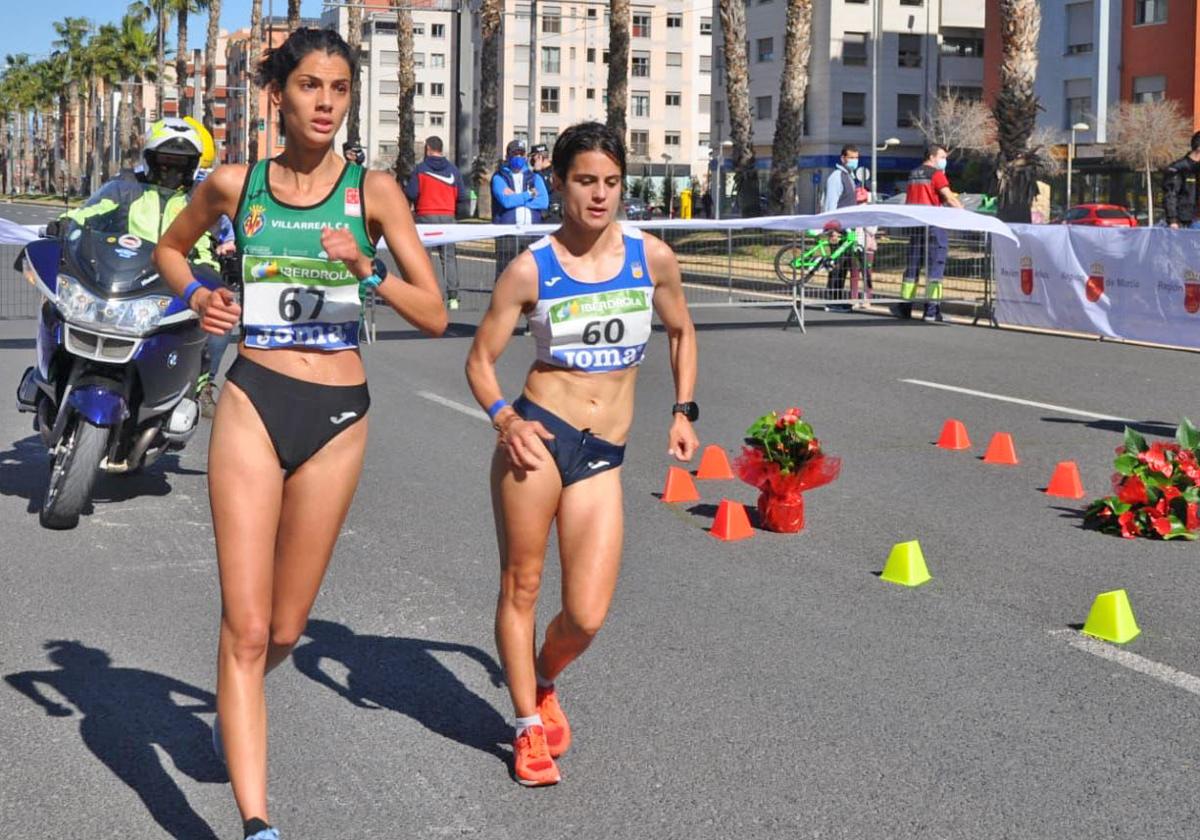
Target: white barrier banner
x,y
1141,284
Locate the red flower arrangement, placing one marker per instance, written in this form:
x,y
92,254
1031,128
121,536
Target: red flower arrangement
x,y
1156,489
783,459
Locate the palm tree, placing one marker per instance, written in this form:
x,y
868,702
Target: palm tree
x,y
354,39
407,76
210,64
71,32
19,92
182,9
51,88
139,49
251,86
737,94
490,26
789,122
294,14
618,66
1016,108
143,10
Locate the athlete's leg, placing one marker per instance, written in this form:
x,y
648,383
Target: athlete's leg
x,y
245,490
590,533
524,505
316,499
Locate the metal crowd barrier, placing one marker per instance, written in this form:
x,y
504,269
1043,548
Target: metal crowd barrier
x,y
18,299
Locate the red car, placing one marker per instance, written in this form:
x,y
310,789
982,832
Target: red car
x,y
1100,215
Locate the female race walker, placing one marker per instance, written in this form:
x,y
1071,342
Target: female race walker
x,y
587,291
290,430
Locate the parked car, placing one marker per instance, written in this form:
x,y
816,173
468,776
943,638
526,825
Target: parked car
x,y
1100,215
635,210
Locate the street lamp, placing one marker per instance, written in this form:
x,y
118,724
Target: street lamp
x,y
888,143
669,190
1079,126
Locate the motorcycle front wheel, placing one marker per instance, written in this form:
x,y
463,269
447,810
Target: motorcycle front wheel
x,y
72,473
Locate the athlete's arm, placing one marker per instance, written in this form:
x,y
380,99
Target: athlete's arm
x,y
515,291
414,294
27,683
671,306
217,195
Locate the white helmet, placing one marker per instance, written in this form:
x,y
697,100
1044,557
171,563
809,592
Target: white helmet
x,y
171,153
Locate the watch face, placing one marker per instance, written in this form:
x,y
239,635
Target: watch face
x,y
380,268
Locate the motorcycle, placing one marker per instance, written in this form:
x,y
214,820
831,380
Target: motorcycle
x,y
118,354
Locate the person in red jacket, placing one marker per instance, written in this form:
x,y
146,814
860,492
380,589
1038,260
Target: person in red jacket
x,y
439,196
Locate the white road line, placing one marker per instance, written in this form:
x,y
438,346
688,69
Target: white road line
x,y
1157,670
1061,409
457,406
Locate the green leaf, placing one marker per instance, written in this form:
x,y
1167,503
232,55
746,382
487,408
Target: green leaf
x,y
1124,464
1134,442
1192,494
1187,435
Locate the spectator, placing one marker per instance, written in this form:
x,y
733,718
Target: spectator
x,y
539,161
439,195
1179,189
840,191
354,153
928,185
706,201
519,196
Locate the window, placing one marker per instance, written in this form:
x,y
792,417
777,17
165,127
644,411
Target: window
x,y
520,132
548,135
908,109
418,29
674,99
590,94
437,59
437,118
671,139
439,89
910,50
1078,101
389,58
704,106
549,100
591,13
551,59
705,26
854,108
912,2
640,27
963,46
674,59
1079,28
639,143
641,65
639,103
674,21
521,92
389,86
604,57
766,49
591,55
418,118
854,49
706,64
418,89
703,139
1149,88
387,150
437,30
965,93
762,108
1149,11
389,117
552,19
418,60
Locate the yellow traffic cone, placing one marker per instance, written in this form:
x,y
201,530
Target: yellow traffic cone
x,y
906,565
1111,618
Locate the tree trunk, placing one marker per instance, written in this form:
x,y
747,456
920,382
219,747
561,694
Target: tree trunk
x,y
95,105
618,67
293,14
1149,196
490,22
1016,108
109,123
354,39
789,122
125,123
251,87
161,67
210,66
737,93
81,137
181,63
407,76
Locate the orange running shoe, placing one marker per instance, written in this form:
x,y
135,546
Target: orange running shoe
x,y
558,731
532,764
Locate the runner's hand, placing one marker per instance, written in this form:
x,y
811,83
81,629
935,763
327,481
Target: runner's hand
x,y
218,310
682,441
341,245
522,440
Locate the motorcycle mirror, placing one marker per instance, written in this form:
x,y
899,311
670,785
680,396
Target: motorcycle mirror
x,y
53,229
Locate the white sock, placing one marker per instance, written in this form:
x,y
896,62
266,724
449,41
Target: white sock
x,y
524,723
542,681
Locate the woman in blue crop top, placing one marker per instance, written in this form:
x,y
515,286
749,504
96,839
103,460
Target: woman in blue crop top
x,y
587,290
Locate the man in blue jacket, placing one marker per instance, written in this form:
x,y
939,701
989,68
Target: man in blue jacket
x,y
519,195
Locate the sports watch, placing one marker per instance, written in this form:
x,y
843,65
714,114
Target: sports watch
x,y
379,273
688,409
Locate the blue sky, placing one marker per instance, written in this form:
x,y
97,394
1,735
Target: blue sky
x,y
27,28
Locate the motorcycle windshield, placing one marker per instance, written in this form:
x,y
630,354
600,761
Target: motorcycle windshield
x,y
110,240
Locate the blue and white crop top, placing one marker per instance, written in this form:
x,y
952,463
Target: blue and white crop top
x,y
593,327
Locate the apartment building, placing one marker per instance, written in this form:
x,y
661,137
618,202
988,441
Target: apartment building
x,y
925,48
670,75
192,91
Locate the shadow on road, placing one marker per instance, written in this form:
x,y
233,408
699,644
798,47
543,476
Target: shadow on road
x,y
1145,427
401,674
123,713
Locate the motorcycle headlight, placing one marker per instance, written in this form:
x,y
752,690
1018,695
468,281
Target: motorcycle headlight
x,y
134,317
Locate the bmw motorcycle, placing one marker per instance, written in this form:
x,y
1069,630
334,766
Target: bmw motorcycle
x,y
117,353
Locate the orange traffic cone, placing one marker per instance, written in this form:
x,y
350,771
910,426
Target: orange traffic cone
x,y
680,487
954,436
731,523
1001,450
714,464
1065,483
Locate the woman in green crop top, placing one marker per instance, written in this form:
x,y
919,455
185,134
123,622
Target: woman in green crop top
x,y
290,428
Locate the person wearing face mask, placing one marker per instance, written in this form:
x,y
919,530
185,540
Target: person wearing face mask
x,y
928,185
840,191
519,195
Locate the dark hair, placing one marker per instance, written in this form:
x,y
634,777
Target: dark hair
x,y
933,148
849,148
434,143
1196,142
587,137
278,63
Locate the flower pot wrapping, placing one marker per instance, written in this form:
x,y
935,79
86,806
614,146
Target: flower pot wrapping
x,y
781,499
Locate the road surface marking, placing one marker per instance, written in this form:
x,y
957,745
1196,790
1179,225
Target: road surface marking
x,y
1062,409
1157,670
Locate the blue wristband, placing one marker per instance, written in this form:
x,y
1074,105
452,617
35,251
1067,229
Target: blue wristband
x,y
191,289
496,407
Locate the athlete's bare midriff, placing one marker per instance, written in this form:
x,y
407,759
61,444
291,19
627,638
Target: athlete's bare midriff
x,y
337,367
601,402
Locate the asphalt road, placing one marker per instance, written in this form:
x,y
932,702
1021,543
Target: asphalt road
x,y
772,688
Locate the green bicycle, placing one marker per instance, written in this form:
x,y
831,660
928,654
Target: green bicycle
x,y
795,264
